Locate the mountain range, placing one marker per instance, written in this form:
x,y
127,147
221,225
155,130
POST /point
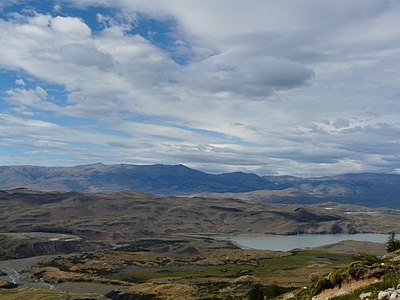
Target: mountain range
x,y
369,189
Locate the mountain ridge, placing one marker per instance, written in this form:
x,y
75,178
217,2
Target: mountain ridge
x,y
369,189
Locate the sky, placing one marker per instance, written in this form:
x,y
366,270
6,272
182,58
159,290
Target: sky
x,y
272,87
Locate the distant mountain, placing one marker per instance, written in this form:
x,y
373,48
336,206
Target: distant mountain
x,y
368,189
160,179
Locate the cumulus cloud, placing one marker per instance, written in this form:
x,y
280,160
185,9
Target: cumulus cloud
x,y
20,82
83,55
236,73
27,99
70,26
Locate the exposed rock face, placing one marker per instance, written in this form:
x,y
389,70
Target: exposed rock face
x,y
383,295
365,296
44,248
29,244
389,294
7,285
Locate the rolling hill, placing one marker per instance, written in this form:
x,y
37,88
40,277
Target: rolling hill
x,y
125,215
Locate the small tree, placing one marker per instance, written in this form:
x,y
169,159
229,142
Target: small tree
x,y
392,244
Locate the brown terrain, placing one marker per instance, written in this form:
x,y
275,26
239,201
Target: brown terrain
x,y
134,244
126,215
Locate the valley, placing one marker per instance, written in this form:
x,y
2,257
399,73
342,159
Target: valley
x,y
199,150
127,215
134,244
185,268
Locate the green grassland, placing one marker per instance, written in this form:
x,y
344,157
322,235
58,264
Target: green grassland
x,y
296,267
229,275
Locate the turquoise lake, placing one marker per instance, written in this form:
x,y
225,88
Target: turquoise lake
x,y
289,242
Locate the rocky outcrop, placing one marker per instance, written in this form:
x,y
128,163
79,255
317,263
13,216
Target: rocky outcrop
x,y
13,248
7,285
44,248
389,294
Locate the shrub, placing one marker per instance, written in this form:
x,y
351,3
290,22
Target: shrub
x,y
392,244
260,292
256,293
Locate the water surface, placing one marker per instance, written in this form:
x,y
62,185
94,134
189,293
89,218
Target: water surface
x,y
86,287
289,242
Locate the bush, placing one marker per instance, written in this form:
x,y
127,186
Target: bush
x,y
260,292
256,293
392,244
389,281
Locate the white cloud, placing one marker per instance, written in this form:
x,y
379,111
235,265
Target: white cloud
x,y
70,26
305,87
57,8
83,55
26,99
125,21
20,82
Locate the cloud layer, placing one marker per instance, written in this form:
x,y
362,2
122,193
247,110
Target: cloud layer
x,y
274,87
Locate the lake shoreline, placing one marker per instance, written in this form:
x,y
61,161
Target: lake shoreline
x,y
290,242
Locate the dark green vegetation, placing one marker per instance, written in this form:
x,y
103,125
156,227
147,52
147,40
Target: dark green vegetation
x,y
357,270
260,292
367,189
392,244
366,274
216,272
390,280
266,268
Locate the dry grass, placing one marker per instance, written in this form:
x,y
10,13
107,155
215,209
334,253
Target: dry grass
x,y
123,216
